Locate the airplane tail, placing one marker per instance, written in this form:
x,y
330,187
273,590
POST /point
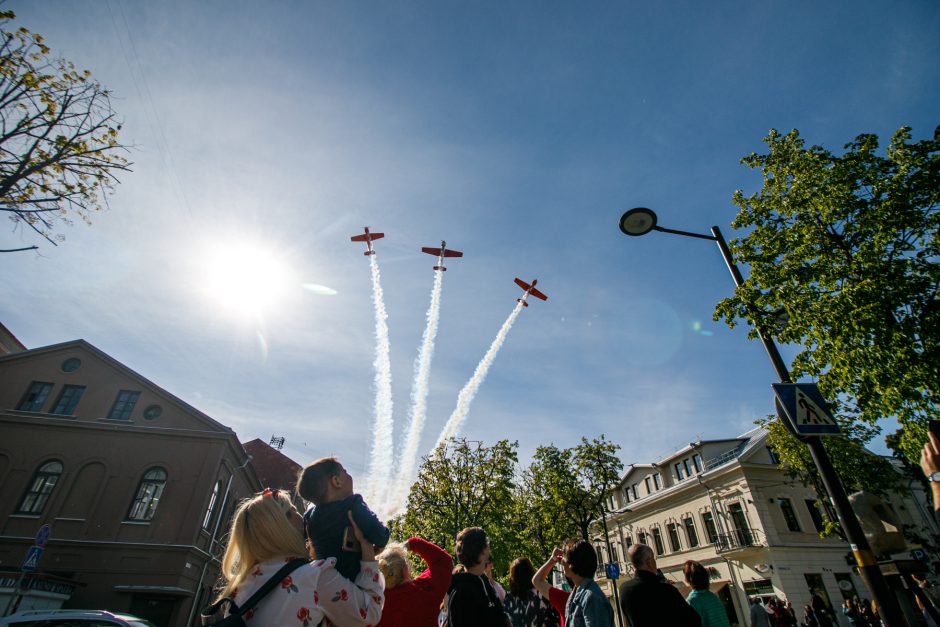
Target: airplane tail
x,y
441,268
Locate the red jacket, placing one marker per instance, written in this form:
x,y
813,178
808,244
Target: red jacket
x,y
417,603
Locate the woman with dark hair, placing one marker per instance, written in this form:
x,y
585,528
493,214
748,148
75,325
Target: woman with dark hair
x,y
526,608
587,606
703,600
471,600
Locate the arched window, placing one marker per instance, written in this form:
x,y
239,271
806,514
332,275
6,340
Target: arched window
x,y
207,521
148,495
40,488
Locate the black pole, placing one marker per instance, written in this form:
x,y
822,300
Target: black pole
x,y
888,607
609,557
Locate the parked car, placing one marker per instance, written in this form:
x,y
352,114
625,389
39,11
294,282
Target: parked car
x,y
73,618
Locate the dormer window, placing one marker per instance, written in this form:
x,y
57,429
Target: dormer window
x,y
697,461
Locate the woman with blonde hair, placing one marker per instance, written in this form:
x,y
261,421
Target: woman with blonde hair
x,y
267,532
414,602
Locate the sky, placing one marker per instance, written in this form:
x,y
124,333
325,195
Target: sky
x,y
517,131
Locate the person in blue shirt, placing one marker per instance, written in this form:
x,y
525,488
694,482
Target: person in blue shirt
x,y
587,606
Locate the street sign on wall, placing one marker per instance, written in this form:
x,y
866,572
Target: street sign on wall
x,y
32,559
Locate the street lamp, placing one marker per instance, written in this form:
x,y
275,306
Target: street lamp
x,y
640,221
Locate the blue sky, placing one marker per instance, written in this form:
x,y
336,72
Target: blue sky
x,y
519,132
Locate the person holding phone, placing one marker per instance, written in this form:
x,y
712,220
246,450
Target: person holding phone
x,y
930,463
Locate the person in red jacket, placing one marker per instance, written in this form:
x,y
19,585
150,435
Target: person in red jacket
x,y
414,602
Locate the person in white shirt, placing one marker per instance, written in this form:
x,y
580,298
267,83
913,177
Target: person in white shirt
x,y
267,532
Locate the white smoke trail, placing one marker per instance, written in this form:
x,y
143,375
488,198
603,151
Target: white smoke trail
x,y
380,462
419,399
456,420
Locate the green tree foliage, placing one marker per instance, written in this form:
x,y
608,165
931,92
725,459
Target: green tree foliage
x,y
846,246
464,484
565,489
59,147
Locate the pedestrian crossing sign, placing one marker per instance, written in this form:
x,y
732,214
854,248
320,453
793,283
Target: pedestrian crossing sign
x,y
804,409
32,559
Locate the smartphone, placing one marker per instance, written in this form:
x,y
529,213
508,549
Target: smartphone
x,y
934,426
350,542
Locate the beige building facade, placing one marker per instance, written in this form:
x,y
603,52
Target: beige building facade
x,y
726,504
136,485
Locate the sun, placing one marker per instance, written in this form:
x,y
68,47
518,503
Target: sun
x,y
246,277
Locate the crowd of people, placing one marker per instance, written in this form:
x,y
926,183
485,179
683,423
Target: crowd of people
x,y
334,565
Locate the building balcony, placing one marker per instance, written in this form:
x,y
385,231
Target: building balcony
x,y
739,542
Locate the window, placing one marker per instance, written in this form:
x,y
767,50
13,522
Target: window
x,y
690,534
207,521
658,481
815,514
642,538
610,503
789,516
688,469
123,405
678,468
35,396
40,488
658,541
68,399
148,495
626,494
634,489
774,458
673,530
710,532
649,485
697,462
629,541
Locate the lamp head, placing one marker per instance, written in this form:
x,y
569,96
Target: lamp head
x,y
638,221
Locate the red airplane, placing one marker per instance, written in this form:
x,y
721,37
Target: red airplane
x,y
368,239
440,253
529,290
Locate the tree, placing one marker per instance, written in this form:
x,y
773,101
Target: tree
x,y
464,484
59,148
846,247
567,487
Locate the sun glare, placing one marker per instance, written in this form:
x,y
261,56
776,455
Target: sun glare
x,y
245,277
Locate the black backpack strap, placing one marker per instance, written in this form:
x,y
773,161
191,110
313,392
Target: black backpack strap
x,y
269,585
235,610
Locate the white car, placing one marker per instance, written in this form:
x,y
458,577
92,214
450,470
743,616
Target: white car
x,y
72,618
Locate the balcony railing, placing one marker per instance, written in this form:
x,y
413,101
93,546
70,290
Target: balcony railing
x,y
724,458
738,539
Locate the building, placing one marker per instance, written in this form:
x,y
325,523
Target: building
x,y
727,504
137,487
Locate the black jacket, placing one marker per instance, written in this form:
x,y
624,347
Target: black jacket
x,y
325,525
472,602
648,602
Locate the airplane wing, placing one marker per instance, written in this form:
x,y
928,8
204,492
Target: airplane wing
x,y
452,253
431,251
360,238
537,294
522,284
377,235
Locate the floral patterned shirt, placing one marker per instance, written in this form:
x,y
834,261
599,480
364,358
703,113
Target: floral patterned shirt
x,y
313,592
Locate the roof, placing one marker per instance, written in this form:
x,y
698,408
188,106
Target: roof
x,y
9,343
117,365
274,468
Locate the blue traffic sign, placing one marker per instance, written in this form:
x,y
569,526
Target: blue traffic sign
x,y
804,409
42,536
920,555
32,559
613,571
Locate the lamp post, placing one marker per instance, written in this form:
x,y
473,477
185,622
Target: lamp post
x,y
640,221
